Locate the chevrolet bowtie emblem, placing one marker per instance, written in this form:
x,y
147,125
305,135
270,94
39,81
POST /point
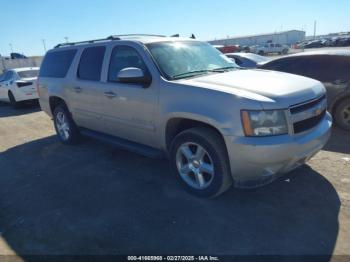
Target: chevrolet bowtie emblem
x,y
318,111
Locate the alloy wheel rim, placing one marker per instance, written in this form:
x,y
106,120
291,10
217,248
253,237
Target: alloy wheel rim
x,y
62,126
195,165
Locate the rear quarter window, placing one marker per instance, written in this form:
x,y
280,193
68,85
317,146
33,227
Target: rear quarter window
x,y
56,64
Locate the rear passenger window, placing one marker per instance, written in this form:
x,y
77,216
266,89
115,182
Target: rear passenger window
x,y
91,61
123,57
56,64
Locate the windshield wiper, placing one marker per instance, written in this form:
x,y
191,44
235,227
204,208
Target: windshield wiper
x,y
219,70
226,68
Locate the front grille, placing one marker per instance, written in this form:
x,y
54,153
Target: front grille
x,y
309,123
305,106
308,115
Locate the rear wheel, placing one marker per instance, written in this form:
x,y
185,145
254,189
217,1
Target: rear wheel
x,y
66,129
200,162
13,101
342,114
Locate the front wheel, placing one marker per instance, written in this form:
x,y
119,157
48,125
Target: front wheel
x,y
200,162
342,114
66,129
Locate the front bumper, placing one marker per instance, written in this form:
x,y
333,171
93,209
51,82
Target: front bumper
x,y
256,161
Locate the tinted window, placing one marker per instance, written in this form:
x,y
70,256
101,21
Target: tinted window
x,y
91,61
324,68
123,57
238,61
57,63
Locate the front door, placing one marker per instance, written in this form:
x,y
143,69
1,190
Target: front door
x,y
129,109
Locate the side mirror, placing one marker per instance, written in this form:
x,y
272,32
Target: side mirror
x,y
134,75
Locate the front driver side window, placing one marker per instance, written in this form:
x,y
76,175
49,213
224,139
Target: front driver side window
x,y
123,57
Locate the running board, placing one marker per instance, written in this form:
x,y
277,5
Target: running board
x,y
124,144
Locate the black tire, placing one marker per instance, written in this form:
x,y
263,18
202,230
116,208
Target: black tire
x,y
13,101
342,118
214,145
261,53
285,51
74,135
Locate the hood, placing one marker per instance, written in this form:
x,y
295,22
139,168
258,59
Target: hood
x,y
273,89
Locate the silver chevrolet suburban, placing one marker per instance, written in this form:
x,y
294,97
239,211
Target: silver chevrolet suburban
x,y
181,98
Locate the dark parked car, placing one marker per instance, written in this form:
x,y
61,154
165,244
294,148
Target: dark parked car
x,y
17,56
314,44
343,41
330,67
248,60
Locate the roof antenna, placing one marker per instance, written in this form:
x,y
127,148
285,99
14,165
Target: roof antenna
x,y
176,35
193,36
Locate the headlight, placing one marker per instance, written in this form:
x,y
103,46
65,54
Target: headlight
x,y
264,122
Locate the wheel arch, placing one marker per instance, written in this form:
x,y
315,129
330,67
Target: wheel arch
x,y
54,101
176,125
338,100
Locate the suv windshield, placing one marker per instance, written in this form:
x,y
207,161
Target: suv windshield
x,y
28,74
187,59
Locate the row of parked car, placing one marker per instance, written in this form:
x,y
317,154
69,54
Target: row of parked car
x,y
265,49
325,42
331,67
220,124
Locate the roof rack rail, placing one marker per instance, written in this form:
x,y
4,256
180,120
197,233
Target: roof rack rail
x,y
88,41
112,37
178,35
127,35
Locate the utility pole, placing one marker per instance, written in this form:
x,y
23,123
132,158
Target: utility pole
x,y
44,44
66,38
11,47
315,24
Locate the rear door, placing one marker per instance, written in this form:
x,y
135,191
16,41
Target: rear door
x,y
85,89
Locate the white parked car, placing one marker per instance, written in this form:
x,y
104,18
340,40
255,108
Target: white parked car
x,y
18,85
270,48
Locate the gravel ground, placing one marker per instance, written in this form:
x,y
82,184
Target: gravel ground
x,y
96,199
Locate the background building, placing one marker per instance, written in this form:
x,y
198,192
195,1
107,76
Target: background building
x,y
286,38
16,63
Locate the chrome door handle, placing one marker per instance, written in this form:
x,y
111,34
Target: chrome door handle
x,y
110,94
77,89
